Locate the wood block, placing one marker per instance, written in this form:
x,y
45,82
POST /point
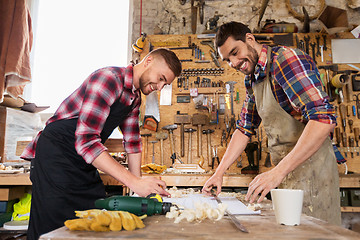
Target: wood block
x,y
10,193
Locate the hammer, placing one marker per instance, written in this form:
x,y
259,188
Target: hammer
x,y
161,136
208,132
182,119
199,120
144,153
190,131
171,129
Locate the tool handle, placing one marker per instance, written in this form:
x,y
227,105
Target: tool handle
x,y
342,110
337,136
356,134
182,140
344,139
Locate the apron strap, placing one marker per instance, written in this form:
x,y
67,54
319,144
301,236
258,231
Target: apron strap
x,y
268,62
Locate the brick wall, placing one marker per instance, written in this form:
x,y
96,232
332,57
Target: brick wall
x,y
166,15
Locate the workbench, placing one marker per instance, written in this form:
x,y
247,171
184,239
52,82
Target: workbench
x,y
187,180
261,226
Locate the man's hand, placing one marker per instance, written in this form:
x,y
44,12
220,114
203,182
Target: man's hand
x,y
214,181
263,183
147,185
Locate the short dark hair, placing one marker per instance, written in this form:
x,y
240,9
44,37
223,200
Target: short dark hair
x,y
236,30
170,58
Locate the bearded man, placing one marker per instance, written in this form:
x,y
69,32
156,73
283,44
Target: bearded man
x,y
284,92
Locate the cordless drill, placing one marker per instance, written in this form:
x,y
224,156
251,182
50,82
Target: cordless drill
x,y
136,205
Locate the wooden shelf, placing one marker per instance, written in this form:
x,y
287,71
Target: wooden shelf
x,y
349,180
201,90
350,209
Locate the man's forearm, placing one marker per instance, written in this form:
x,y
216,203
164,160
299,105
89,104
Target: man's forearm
x,y
310,141
134,163
236,146
109,165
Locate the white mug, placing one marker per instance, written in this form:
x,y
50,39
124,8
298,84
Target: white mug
x,y
287,204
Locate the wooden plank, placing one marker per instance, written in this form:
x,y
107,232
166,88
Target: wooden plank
x,y
349,180
190,180
2,131
350,209
15,179
260,227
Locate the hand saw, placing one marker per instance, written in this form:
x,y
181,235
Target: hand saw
x,y
152,112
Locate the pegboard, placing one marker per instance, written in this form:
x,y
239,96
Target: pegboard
x,y
213,93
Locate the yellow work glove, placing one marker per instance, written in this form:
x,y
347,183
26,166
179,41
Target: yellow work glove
x,y
153,168
101,221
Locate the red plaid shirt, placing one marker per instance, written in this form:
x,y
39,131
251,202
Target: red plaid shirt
x,y
91,103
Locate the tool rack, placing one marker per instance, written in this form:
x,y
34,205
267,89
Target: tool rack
x,y
208,77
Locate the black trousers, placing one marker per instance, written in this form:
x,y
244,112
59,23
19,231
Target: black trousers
x,y
62,181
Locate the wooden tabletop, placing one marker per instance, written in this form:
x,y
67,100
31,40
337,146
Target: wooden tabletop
x,y
187,180
261,226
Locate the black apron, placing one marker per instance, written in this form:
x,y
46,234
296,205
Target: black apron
x,y
62,181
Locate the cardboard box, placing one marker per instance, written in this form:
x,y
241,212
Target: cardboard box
x,y
16,126
10,193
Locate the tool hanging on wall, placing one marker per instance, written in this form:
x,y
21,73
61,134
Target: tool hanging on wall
x,y
199,120
145,151
161,136
193,17
232,118
138,46
190,131
170,129
182,119
153,150
253,167
208,133
152,112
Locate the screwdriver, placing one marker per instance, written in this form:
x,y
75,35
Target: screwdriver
x,y
342,110
337,136
350,121
356,133
344,142
351,144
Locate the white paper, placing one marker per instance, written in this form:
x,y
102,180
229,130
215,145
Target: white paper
x,y
234,205
165,95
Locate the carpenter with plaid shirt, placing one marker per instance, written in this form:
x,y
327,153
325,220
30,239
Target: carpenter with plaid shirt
x,y
66,155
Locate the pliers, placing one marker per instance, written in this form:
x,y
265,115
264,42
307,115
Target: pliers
x,y
215,156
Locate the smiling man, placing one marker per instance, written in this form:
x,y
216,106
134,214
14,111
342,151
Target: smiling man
x,y
65,156
284,92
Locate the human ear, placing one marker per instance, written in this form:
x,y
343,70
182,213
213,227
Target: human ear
x,y
250,39
148,60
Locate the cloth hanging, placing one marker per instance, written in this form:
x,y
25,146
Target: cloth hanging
x,y
15,46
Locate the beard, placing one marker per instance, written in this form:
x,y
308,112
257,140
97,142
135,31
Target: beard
x,y
253,59
144,82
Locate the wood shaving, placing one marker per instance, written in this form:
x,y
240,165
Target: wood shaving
x,y
201,212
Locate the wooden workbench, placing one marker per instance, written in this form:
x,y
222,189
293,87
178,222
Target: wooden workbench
x,y
259,227
187,180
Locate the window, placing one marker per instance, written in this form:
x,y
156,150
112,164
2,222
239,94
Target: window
x,y
72,39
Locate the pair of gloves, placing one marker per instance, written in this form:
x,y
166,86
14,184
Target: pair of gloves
x,y
102,221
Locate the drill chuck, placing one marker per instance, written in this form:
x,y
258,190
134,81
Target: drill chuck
x,y
136,205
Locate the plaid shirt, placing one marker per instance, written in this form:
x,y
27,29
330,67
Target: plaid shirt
x,y
296,85
91,103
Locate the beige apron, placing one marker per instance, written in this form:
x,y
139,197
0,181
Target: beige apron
x,y
318,176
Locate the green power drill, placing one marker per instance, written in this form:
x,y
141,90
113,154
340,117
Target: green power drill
x,y
136,205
